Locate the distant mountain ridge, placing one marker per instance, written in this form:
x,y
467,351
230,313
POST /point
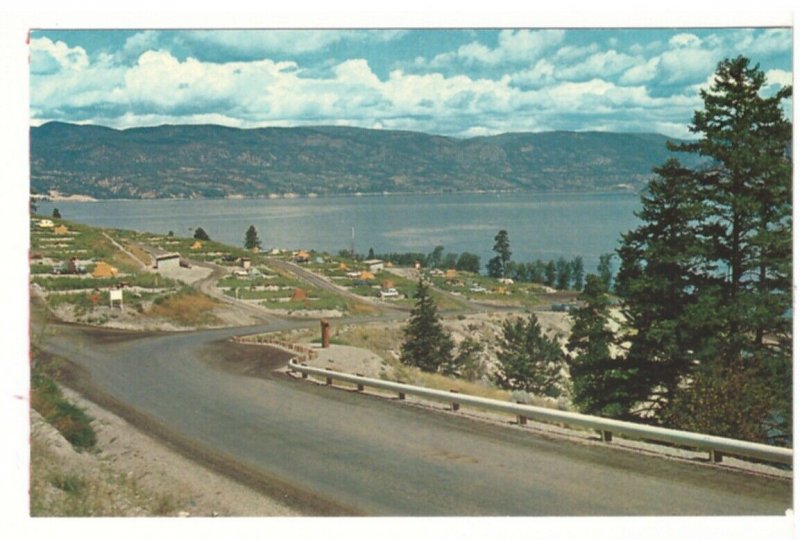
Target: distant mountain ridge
x,y
208,161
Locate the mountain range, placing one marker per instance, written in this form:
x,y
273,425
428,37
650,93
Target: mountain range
x,y
209,161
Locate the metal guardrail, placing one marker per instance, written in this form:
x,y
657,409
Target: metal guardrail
x,y
716,446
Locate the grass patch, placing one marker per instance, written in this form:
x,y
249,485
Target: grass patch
x,y
187,307
71,421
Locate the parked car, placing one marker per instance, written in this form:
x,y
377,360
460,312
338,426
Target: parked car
x,y
389,293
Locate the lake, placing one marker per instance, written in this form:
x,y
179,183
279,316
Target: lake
x,y
540,226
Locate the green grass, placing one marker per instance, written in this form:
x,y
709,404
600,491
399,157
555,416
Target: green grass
x,y
71,421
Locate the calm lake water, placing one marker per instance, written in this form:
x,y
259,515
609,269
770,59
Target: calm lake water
x,y
540,226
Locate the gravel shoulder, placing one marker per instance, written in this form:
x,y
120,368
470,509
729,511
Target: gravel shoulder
x,y
131,474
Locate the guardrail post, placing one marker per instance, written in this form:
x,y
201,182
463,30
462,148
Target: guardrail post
x,y
715,456
401,395
454,406
329,379
606,436
522,420
360,386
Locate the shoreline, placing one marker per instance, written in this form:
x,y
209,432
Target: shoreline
x,y
39,198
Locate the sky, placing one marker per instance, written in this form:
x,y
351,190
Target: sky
x,y
453,82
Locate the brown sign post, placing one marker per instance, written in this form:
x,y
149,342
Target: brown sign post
x,y
326,333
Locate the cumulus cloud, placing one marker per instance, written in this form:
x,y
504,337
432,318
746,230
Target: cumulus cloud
x,y
524,80
605,64
685,40
513,46
253,43
778,77
49,57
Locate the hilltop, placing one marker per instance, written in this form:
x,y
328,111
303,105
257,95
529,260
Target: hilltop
x,y
194,161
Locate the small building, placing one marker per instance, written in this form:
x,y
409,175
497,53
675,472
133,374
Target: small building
x,y
374,265
302,257
366,276
46,224
167,261
245,262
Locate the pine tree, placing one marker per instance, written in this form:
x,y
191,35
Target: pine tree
x,y
426,345
659,274
200,234
747,194
604,271
598,377
528,360
577,273
747,226
497,267
251,240
563,274
706,279
550,273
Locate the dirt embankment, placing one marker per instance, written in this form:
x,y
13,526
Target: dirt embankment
x,y
130,474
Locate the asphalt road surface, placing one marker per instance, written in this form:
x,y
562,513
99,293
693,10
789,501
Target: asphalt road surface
x,y
334,452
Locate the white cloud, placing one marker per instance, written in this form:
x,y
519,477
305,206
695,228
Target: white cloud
x,y
513,46
685,40
260,42
603,64
542,74
778,77
571,53
641,73
140,42
48,56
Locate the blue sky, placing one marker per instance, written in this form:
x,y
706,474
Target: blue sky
x,y
456,82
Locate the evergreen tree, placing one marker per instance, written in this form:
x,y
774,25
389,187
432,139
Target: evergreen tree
x,y
251,240
468,262
706,280
426,345
200,234
497,267
467,362
435,257
56,213
604,271
577,274
747,225
659,275
550,273
563,274
599,378
528,359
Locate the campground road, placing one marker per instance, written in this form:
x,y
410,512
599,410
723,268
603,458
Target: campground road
x,y
349,454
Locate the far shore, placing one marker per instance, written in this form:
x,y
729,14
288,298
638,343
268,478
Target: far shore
x,y
615,190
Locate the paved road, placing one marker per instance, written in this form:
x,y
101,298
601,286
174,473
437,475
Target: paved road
x,y
343,453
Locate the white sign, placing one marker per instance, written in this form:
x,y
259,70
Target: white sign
x,y
116,294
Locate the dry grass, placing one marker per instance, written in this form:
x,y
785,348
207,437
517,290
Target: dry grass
x,y
187,308
60,489
361,308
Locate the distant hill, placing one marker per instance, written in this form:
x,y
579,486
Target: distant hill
x,y
213,161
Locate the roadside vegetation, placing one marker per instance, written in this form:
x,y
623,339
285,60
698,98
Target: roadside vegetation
x,y
47,399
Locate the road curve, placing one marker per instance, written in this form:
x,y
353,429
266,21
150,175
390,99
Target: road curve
x,y
360,455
